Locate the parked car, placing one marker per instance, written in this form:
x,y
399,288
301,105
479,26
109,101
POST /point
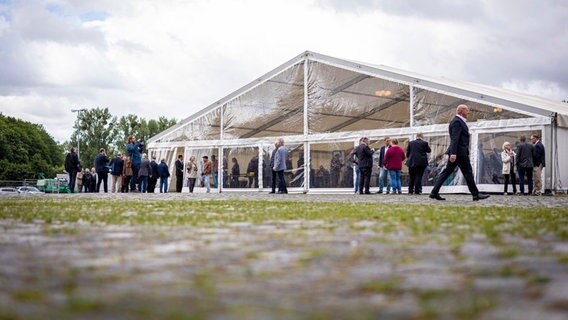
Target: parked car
x,y
8,191
30,190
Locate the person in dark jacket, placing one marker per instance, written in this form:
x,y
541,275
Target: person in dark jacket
x,y
252,172
117,166
384,176
525,164
144,173
164,173
539,164
179,173
94,177
458,156
235,173
135,149
365,158
153,176
417,154
71,166
101,162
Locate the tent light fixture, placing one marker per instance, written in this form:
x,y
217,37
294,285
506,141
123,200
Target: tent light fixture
x,y
383,93
497,110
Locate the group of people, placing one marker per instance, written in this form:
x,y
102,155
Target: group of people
x,y
529,160
132,172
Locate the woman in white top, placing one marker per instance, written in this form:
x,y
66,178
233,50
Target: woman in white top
x,y
509,157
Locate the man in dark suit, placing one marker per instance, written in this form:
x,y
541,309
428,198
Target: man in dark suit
x,y
153,175
459,156
417,155
539,164
525,164
365,158
179,173
383,175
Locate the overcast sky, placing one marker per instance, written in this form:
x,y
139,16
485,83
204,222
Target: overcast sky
x,y
173,57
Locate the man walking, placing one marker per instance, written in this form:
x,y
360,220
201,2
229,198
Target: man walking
x,y
417,154
539,164
280,160
525,163
101,162
458,156
179,173
72,166
384,176
365,158
117,165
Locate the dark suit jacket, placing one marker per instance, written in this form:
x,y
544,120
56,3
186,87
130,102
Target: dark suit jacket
x,y
459,138
155,171
417,153
382,153
525,155
365,156
179,168
539,154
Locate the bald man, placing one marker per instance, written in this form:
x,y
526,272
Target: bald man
x,y
459,156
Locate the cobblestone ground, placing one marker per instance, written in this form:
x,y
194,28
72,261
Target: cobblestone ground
x,y
282,269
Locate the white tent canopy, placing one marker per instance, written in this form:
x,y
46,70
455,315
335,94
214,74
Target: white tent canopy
x,y
322,105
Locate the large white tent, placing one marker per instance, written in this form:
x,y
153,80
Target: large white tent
x,y
322,105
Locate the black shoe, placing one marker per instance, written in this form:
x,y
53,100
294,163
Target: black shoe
x,y
282,192
379,192
436,196
480,196
411,192
272,192
361,193
367,193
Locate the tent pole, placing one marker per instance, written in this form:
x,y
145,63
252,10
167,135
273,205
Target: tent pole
x,y
306,130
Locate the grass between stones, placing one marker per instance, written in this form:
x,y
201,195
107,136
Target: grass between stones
x,y
341,239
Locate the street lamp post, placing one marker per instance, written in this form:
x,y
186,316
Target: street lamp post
x,y
78,131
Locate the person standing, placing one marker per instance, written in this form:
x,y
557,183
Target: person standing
x,y
206,174
94,177
274,174
384,177
525,164
117,167
417,154
101,162
215,170
393,162
144,172
191,173
352,160
335,170
164,173
134,149
539,164
365,158
72,166
280,160
458,156
87,177
252,172
235,173
127,170
508,157
80,175
153,175
179,173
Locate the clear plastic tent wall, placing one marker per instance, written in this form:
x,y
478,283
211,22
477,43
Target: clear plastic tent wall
x,y
321,108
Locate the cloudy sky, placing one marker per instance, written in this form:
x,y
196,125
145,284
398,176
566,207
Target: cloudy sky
x,y
174,57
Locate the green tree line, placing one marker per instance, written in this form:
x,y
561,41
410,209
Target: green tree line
x,y
27,149
100,129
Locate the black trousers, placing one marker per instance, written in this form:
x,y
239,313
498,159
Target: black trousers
x,y
282,182
529,173
511,175
191,184
415,179
274,174
179,183
365,180
463,163
103,177
152,184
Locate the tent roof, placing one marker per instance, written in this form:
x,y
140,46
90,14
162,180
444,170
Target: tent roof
x,y
472,91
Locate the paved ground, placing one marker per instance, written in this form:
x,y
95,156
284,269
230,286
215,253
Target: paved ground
x,y
280,269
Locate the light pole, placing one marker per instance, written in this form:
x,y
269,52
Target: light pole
x,y
78,130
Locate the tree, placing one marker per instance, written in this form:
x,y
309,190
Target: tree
x,y
27,149
98,130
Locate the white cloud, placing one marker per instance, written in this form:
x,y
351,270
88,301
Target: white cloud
x,y
173,58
